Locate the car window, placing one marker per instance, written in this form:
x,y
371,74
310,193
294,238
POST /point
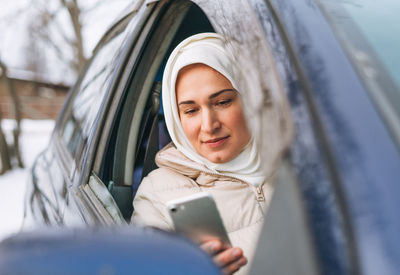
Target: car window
x,y
89,94
376,22
366,30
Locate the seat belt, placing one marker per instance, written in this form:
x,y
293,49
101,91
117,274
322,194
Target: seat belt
x,y
152,144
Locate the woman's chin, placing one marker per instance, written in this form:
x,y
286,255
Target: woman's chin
x,y
218,158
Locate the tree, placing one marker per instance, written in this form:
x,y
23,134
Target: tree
x,y
5,151
58,26
61,28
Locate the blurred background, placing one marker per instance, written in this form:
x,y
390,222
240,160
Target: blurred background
x,y
43,46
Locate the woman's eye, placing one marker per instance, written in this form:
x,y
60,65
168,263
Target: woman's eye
x,y
189,111
224,102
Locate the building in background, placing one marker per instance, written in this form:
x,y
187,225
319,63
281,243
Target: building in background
x,y
39,98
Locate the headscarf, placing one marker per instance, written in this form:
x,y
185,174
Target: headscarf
x,y
208,49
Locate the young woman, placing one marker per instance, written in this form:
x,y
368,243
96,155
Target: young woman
x,y
212,150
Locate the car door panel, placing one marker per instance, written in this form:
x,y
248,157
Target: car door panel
x,y
310,154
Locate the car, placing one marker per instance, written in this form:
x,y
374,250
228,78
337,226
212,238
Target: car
x,y
322,86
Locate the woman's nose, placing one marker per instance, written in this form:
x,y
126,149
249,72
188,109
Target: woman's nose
x,y
210,121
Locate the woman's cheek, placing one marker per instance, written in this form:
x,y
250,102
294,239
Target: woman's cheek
x,y
189,127
236,116
238,124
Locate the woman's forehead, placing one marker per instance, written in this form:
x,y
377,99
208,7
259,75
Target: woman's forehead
x,y
200,75
196,68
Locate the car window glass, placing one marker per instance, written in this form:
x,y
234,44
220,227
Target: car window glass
x,y
377,22
91,90
366,32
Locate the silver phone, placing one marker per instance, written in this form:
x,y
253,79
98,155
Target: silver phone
x,y
197,217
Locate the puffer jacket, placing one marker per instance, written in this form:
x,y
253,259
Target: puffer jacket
x,y
241,205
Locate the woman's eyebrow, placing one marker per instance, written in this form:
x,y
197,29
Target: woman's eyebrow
x,y
220,92
210,97
186,102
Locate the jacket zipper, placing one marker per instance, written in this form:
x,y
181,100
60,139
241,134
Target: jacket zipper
x,y
260,194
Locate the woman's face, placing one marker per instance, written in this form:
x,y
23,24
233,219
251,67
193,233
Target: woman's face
x,y
211,113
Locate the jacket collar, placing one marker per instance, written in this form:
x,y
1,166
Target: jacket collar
x,y
171,158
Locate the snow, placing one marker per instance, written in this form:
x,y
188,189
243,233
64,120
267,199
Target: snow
x,y
34,138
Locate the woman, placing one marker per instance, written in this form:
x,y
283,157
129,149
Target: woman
x,y
212,150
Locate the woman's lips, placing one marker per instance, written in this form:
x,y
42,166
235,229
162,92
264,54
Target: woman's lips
x,y
213,143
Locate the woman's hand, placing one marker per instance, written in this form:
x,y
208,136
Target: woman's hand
x,y
229,259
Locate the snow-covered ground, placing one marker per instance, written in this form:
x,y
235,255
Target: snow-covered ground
x,y
35,136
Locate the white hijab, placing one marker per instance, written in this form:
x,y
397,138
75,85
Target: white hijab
x,y
208,49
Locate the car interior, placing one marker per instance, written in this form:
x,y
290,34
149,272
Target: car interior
x,y
140,131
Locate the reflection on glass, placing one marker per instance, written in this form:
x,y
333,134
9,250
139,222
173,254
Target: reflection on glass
x,y
379,23
368,30
94,85
90,94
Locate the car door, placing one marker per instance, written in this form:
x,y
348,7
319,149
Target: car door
x,y
340,166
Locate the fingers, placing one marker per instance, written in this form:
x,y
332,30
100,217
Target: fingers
x,y
235,266
214,246
227,258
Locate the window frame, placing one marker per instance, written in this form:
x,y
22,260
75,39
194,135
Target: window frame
x,y
160,36
132,25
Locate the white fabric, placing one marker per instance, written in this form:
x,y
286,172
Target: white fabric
x,y
208,49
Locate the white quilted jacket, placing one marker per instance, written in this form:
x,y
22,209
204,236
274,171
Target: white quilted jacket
x,y
241,205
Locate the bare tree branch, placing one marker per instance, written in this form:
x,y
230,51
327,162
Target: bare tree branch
x,y
47,39
62,33
75,14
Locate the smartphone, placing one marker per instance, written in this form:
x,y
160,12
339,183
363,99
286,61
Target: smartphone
x,y
197,217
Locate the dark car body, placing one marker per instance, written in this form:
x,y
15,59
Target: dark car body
x,y
334,210
103,251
